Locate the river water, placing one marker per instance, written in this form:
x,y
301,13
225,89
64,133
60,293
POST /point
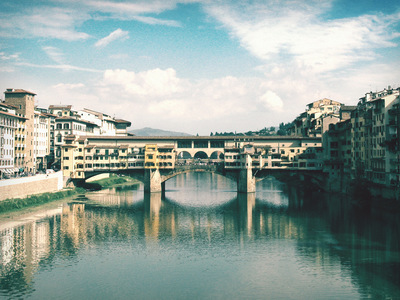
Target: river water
x,y
200,240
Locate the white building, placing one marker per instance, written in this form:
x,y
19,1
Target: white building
x,y
41,145
8,126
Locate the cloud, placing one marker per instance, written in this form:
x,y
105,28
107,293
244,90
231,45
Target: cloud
x,y
68,86
161,96
155,21
47,22
154,82
301,34
272,101
8,57
64,67
54,53
137,7
113,36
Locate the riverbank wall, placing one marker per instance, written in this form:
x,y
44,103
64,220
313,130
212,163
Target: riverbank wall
x,y
346,185
27,186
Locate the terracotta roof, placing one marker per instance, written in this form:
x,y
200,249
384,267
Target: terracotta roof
x,y
60,106
18,91
49,114
348,107
12,115
122,121
75,120
8,105
70,137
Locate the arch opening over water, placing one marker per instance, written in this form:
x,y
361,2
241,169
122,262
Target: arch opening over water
x,y
217,155
184,155
201,155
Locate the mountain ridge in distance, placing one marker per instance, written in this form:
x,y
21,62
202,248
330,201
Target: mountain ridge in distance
x,y
147,131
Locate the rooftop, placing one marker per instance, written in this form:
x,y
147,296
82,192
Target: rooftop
x,y
18,91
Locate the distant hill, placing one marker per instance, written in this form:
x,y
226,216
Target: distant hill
x,y
156,132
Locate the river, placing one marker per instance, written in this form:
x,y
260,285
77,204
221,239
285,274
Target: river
x,y
200,240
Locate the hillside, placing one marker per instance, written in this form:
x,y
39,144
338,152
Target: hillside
x,y
147,131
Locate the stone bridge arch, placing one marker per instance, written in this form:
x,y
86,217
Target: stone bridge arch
x,y
217,155
200,155
184,155
215,169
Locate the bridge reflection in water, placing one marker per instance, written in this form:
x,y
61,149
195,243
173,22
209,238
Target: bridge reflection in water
x,y
145,222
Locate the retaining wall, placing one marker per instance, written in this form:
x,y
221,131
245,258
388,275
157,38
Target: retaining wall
x,y
26,186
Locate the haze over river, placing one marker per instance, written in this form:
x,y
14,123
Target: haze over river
x,y
200,240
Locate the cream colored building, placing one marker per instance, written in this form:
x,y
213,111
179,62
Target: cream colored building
x,y
24,102
41,143
8,126
111,154
310,123
375,137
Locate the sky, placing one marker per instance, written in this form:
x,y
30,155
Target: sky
x,y
199,66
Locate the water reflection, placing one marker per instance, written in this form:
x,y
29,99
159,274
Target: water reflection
x,y
322,252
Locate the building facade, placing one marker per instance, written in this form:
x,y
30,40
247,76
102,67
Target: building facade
x,y
24,103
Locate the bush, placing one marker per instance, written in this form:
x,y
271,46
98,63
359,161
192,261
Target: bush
x,y
9,205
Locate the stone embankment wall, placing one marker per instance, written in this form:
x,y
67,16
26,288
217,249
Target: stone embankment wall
x,y
346,185
26,186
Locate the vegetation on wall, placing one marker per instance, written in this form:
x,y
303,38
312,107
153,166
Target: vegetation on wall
x,y
9,205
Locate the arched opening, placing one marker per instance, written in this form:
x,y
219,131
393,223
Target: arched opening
x,y
217,155
200,158
184,155
183,158
201,155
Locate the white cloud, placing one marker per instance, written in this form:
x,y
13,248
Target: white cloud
x,y
54,53
163,97
272,101
4,56
137,7
118,34
297,32
47,22
68,86
155,82
64,67
155,21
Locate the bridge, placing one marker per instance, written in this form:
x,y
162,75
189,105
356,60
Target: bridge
x,y
154,160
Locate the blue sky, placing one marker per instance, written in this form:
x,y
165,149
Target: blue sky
x,y
199,66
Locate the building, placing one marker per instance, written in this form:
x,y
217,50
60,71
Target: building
x,y
310,123
105,123
338,149
67,126
84,122
24,103
41,142
110,154
8,126
366,146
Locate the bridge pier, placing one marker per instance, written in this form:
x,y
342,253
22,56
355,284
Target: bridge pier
x,y
152,181
246,181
